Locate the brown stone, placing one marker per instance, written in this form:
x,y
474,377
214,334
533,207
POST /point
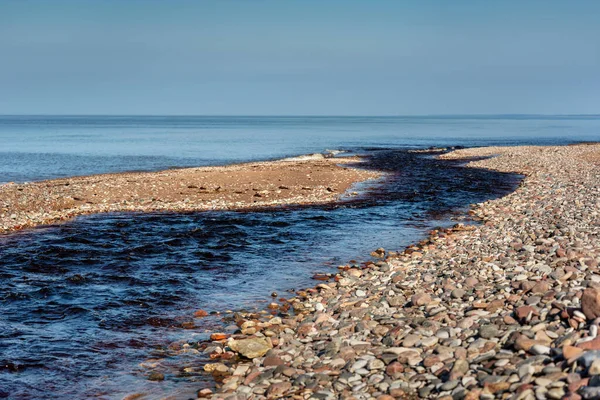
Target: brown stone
x,y
420,299
570,352
473,394
277,390
200,314
496,387
271,361
431,361
523,312
495,305
593,344
397,393
590,303
394,368
470,281
524,343
305,329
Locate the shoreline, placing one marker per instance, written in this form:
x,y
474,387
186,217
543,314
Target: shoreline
x,y
310,179
505,308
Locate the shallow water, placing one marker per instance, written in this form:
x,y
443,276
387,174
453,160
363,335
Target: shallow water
x,y
87,303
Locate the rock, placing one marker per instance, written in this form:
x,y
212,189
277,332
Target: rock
x,y
250,348
488,331
420,299
459,369
540,349
394,368
218,336
200,314
523,313
277,390
590,303
271,361
156,376
216,367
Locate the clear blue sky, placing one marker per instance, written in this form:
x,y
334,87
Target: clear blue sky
x,y
287,57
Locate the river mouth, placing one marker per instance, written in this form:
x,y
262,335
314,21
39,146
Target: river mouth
x,y
92,306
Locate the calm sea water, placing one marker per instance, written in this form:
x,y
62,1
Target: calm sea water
x,y
86,305
36,147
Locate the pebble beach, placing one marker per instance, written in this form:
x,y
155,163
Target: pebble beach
x,y
507,308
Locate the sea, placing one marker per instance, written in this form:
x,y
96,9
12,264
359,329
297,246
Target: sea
x,y
90,307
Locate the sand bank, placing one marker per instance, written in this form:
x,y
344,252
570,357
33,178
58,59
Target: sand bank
x,y
304,180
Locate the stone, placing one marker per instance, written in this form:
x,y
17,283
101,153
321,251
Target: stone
x,y
200,314
271,361
216,367
277,390
156,376
590,303
250,348
420,299
488,331
394,368
460,368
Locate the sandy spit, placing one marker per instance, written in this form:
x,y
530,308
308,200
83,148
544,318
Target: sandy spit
x,y
303,180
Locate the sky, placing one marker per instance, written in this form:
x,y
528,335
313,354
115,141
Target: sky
x,y
299,57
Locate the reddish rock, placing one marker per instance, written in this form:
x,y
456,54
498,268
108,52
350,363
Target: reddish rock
x,y
200,314
218,336
590,303
570,352
523,312
524,343
508,320
251,377
541,287
593,344
271,361
394,368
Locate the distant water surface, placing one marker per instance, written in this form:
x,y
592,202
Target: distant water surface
x,y
40,147
88,307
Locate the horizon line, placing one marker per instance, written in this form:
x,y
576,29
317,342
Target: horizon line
x,y
307,115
